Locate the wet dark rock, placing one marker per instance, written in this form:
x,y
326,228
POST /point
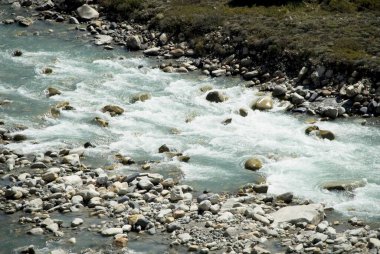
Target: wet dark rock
x,y
19,137
311,129
227,121
325,134
216,96
113,110
286,197
51,91
164,148
17,52
131,177
279,91
88,145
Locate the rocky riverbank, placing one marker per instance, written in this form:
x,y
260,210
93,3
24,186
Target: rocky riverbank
x,y
316,90
251,221
37,187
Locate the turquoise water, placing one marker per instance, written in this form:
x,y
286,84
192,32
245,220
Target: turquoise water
x,y
90,78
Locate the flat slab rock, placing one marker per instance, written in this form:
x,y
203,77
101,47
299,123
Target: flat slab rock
x,y
312,214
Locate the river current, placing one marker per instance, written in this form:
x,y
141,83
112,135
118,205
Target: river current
x,y
179,116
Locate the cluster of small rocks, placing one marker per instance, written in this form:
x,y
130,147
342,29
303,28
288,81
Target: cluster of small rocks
x,y
147,203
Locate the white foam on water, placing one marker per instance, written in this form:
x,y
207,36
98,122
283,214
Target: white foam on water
x,y
292,161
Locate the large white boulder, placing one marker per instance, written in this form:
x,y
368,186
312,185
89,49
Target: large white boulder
x,y
312,214
87,12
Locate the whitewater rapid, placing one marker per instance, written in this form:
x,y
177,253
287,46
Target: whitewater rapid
x,y
179,116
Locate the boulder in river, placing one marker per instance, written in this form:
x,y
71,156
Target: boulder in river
x,y
140,97
216,96
17,52
343,185
113,110
263,103
87,12
253,164
310,129
19,137
51,91
101,122
325,134
164,148
47,70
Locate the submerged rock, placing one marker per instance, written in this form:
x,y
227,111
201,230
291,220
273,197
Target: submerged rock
x,y
140,97
310,129
343,185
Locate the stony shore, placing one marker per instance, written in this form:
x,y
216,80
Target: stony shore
x,y
249,221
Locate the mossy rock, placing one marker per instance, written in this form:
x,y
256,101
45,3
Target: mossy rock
x,y
113,110
253,164
325,134
101,122
310,129
140,97
263,103
51,91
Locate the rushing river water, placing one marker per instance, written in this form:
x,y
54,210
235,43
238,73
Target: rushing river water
x,y
90,78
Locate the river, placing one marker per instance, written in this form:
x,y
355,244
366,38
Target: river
x,y
179,116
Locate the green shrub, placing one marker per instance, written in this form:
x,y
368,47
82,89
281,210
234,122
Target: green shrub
x,y
124,8
234,3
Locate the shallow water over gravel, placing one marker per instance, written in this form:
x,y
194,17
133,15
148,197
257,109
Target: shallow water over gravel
x,y
90,78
